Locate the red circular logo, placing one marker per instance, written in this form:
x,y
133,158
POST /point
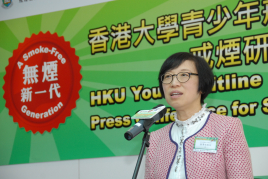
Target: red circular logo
x,y
42,82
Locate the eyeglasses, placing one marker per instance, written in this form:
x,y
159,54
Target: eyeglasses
x,y
181,77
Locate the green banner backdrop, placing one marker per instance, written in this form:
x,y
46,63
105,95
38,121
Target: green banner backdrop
x,y
121,46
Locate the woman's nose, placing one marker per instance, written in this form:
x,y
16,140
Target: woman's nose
x,y
175,81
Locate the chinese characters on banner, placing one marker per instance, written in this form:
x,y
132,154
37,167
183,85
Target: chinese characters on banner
x,y
228,51
42,82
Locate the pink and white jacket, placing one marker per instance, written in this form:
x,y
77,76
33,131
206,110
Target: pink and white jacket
x,y
232,159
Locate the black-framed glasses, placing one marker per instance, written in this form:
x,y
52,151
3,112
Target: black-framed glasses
x,y
181,77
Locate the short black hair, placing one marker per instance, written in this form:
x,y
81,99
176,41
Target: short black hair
x,y
205,74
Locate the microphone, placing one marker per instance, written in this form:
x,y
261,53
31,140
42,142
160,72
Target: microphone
x,y
147,119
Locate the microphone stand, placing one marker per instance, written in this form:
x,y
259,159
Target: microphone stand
x,y
145,143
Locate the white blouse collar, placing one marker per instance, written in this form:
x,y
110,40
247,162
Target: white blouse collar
x,y
192,119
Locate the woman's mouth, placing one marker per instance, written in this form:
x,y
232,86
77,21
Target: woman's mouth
x,y
175,94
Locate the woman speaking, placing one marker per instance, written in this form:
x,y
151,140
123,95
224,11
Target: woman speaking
x,y
199,144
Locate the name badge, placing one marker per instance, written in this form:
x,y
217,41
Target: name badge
x,y
206,144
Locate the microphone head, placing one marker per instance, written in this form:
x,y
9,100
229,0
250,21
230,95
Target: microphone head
x,y
135,130
145,122
128,135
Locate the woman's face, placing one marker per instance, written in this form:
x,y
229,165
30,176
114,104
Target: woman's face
x,y
183,96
